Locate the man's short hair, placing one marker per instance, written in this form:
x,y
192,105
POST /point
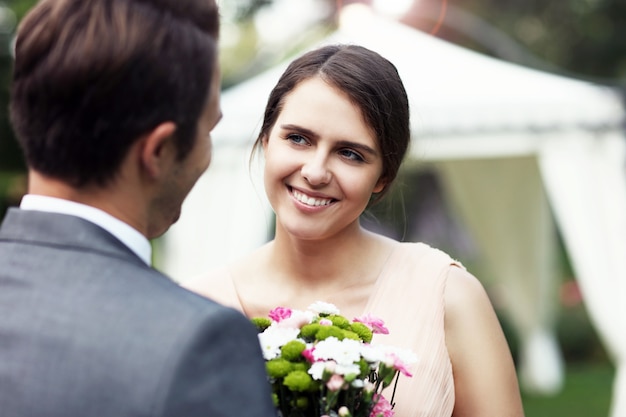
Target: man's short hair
x,y
91,76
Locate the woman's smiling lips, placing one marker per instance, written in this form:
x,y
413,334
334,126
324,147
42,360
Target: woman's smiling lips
x,y
310,200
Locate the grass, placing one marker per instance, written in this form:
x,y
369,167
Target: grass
x,y
586,393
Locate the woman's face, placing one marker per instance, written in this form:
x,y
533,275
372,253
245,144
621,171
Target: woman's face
x,y
322,162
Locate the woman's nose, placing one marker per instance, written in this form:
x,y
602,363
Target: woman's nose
x,y
315,171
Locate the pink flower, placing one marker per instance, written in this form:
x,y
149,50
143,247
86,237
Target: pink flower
x,y
325,322
375,324
399,365
296,319
382,408
280,313
335,382
308,354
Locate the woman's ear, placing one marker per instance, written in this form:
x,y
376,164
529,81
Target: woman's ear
x,y
158,149
380,185
264,141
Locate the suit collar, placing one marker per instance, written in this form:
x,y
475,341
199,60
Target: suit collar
x,y
54,229
124,232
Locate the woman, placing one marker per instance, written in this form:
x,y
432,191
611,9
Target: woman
x,y
335,131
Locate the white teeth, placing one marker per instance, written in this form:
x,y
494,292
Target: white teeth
x,y
310,201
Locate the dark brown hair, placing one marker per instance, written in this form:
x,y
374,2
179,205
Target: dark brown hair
x,y
91,76
370,81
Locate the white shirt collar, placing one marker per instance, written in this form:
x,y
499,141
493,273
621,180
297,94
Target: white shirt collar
x,y
125,233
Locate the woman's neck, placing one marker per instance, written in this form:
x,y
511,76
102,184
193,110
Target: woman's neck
x,y
343,259
295,273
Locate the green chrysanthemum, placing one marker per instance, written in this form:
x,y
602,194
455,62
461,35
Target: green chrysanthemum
x,y
300,366
261,323
339,321
292,350
349,334
315,386
363,331
308,331
302,402
298,381
325,332
278,368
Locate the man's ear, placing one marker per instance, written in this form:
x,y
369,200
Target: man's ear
x,y
158,148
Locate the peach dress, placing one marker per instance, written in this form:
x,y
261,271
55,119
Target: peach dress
x,y
409,297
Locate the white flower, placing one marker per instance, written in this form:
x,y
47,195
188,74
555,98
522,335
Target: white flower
x,y
385,354
406,356
374,353
347,369
317,370
343,352
320,307
358,383
274,337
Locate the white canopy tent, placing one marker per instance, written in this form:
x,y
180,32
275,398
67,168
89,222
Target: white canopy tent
x,y
517,149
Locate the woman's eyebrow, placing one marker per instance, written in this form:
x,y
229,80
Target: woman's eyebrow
x,y
300,129
342,143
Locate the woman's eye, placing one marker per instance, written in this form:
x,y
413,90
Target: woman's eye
x,y
350,154
297,139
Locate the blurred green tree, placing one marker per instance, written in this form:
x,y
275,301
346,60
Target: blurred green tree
x,y
10,157
582,38
12,168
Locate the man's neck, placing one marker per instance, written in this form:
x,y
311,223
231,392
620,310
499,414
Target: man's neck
x,y
113,199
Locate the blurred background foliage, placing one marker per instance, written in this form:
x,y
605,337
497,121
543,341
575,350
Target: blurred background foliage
x,y
583,39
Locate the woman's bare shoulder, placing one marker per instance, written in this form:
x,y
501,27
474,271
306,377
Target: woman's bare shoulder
x,y
464,292
468,310
484,372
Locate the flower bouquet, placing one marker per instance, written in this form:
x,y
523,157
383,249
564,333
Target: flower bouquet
x,y
321,364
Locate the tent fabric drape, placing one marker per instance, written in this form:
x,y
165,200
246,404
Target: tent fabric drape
x,y
503,204
586,182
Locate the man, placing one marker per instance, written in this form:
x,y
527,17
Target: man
x,y
113,102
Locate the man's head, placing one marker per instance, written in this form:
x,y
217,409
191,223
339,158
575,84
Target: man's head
x,y
91,77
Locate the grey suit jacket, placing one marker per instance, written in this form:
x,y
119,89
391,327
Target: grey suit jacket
x,y
88,330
